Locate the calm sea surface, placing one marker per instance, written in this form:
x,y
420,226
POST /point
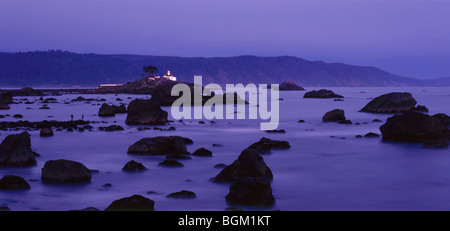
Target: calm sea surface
x,y
327,168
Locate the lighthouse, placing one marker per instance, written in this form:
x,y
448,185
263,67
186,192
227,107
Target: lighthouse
x,y
170,76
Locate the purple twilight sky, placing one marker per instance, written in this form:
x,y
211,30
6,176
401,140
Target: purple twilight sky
x,y
406,37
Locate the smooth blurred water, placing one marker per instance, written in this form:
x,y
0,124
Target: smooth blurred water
x,y
319,172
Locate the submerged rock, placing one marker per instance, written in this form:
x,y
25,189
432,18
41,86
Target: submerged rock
x,y
414,127
171,163
111,128
265,145
65,172
160,145
11,182
395,102
15,151
371,134
322,93
142,111
133,203
251,191
248,164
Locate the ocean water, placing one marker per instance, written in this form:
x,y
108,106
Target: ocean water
x,y
326,168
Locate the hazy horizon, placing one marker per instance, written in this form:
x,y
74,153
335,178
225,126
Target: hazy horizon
x,y
407,38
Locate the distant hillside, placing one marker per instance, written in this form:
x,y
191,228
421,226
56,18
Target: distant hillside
x,y
61,68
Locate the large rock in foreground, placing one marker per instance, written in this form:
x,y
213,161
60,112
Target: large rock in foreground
x,y
395,102
160,145
248,164
251,191
15,151
414,127
322,93
265,145
133,203
290,86
141,111
65,172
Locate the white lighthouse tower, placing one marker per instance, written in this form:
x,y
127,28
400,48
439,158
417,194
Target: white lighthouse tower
x,y
170,76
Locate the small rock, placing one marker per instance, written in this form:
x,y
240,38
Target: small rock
x,y
11,182
171,163
45,132
202,152
133,166
133,203
371,134
182,194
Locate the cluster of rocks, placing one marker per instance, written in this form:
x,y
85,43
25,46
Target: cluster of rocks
x,y
107,110
24,124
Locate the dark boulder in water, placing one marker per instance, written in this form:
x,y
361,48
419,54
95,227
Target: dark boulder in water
x,y
133,166
395,102
265,145
414,127
11,182
142,111
322,93
202,152
251,191
183,194
65,172
133,203
248,164
171,163
45,132
111,128
290,86
160,145
15,151
334,116
107,110
371,134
